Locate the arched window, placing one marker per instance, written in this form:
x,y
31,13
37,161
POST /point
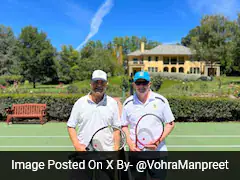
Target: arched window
x,y
181,70
173,69
165,69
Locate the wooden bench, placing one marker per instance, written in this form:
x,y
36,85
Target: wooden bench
x,y
27,111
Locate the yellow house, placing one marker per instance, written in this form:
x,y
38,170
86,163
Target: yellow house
x,y
169,58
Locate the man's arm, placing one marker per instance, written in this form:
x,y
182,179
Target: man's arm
x,y
71,125
167,130
117,139
73,136
131,144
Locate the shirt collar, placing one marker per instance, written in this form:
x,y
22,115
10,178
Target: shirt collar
x,y
150,98
103,102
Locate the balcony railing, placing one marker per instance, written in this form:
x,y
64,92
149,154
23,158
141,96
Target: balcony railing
x,y
135,62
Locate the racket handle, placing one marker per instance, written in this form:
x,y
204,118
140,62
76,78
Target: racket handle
x,y
89,148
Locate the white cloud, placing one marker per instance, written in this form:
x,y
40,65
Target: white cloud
x,y
78,13
97,20
227,8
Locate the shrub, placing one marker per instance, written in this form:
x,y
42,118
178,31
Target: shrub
x,y
177,76
11,78
156,82
72,89
205,109
184,108
125,83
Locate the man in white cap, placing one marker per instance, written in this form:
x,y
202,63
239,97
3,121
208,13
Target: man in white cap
x,y
92,112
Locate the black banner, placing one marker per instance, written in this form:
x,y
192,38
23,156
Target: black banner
x,y
119,165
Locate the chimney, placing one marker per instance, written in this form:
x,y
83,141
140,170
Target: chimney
x,y
142,47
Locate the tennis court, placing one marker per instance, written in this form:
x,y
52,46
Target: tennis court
x,y
53,136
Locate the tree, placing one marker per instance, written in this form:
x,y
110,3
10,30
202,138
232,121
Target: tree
x,y
68,64
100,59
7,50
236,63
212,41
37,55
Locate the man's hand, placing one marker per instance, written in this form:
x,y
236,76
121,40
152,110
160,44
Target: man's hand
x,y
152,145
80,147
133,147
73,136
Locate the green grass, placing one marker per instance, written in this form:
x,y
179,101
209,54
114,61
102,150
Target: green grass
x,y
185,137
168,88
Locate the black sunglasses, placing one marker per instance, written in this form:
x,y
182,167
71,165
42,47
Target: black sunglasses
x,y
141,82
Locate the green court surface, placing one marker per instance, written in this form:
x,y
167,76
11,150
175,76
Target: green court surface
x,y
185,137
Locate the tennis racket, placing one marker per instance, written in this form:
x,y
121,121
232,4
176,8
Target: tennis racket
x,y
107,138
149,130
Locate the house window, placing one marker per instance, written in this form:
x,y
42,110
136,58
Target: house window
x,y
191,70
173,60
181,60
135,61
165,69
166,60
152,69
181,70
198,71
149,58
156,58
173,69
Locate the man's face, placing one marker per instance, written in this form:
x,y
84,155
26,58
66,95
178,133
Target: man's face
x,y
142,86
98,86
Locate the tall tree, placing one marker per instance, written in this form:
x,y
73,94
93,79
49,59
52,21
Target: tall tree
x,y
236,63
68,64
212,41
7,50
37,55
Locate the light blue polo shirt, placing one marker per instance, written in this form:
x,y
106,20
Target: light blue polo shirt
x,y
133,109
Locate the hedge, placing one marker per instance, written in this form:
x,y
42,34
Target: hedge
x,y
205,109
58,106
184,108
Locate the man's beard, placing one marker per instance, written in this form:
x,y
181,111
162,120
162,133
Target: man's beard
x,y
99,90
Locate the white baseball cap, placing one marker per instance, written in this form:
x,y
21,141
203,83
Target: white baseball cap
x,y
99,75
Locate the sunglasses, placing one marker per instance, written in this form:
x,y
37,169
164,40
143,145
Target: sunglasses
x,y
99,82
141,82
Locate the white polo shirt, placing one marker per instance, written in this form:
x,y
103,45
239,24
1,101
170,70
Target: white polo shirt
x,y
89,117
133,109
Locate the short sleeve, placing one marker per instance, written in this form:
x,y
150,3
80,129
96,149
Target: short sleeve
x,y
74,116
124,117
116,116
167,113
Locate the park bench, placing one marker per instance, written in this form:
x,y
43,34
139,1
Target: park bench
x,y
27,111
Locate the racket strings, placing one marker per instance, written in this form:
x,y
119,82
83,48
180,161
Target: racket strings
x,y
104,139
148,130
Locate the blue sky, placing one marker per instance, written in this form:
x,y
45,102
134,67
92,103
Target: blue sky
x,y
69,22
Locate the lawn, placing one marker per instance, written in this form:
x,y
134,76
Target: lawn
x,y
185,137
228,85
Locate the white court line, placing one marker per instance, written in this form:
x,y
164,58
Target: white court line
x,y
206,136
172,146
171,136
204,146
34,136
36,146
